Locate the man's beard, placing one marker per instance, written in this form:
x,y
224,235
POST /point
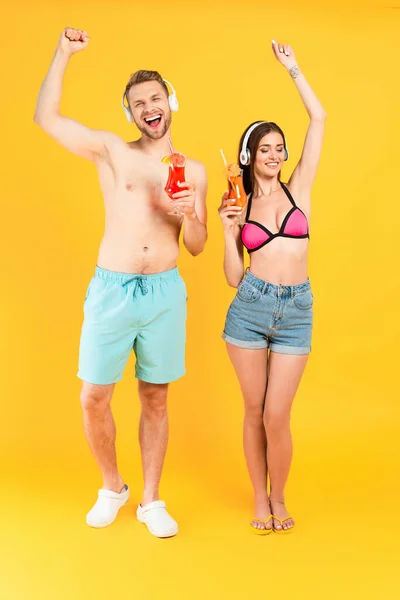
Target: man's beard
x,y
156,135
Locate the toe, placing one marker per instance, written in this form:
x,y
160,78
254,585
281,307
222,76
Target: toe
x,y
289,524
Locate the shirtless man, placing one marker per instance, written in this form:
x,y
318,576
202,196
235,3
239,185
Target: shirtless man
x,y
136,298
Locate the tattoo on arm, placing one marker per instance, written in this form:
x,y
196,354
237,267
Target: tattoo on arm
x,y
294,72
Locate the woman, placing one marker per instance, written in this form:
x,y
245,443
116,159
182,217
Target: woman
x,y
269,323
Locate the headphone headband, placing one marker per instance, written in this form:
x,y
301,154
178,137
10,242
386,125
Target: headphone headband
x,y
172,99
170,85
245,155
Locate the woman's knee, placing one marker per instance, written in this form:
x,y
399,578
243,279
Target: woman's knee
x,y
276,422
253,414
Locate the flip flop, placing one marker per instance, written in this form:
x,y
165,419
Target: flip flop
x,y
157,519
281,521
105,511
261,531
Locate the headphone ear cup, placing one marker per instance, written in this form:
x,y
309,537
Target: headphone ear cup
x,y
173,103
127,109
245,157
286,154
248,157
128,114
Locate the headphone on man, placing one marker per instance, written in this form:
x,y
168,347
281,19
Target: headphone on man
x,y
172,99
245,155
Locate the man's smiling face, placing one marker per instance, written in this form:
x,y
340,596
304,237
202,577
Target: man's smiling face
x,y
150,108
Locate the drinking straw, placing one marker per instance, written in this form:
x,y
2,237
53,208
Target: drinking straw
x,y
223,157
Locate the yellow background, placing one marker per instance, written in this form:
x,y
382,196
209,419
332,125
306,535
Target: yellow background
x,y
344,489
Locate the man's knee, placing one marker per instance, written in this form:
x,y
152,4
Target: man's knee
x,y
153,398
95,397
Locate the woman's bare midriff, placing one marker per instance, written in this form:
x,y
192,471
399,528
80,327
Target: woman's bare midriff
x,y
282,261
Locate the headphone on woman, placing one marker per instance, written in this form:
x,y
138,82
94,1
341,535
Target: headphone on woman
x,y
172,99
245,155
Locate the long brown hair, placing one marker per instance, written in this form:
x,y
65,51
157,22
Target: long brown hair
x,y
256,136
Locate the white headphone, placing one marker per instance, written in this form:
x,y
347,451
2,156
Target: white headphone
x,y
172,99
245,155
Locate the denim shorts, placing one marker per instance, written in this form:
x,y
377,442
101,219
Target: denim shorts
x,y
263,315
143,313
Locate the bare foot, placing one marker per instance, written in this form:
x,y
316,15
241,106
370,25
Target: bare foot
x,y
262,511
279,510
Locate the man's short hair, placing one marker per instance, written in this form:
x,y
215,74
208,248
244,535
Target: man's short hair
x,y
143,76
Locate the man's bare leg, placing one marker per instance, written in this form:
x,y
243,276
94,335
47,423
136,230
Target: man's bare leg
x,y
153,436
100,432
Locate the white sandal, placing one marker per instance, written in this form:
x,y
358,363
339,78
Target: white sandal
x,y
157,519
106,508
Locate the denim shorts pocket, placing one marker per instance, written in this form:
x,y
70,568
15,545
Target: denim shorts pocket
x,y
304,301
248,293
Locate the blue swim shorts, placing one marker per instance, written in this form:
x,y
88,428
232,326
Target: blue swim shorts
x,y
146,313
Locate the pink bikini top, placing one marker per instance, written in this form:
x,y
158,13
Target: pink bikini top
x,y
294,225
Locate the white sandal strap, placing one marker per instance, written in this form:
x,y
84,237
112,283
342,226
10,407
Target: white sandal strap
x,y
110,494
152,506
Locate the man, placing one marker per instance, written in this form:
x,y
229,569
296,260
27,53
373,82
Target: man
x,y
137,298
